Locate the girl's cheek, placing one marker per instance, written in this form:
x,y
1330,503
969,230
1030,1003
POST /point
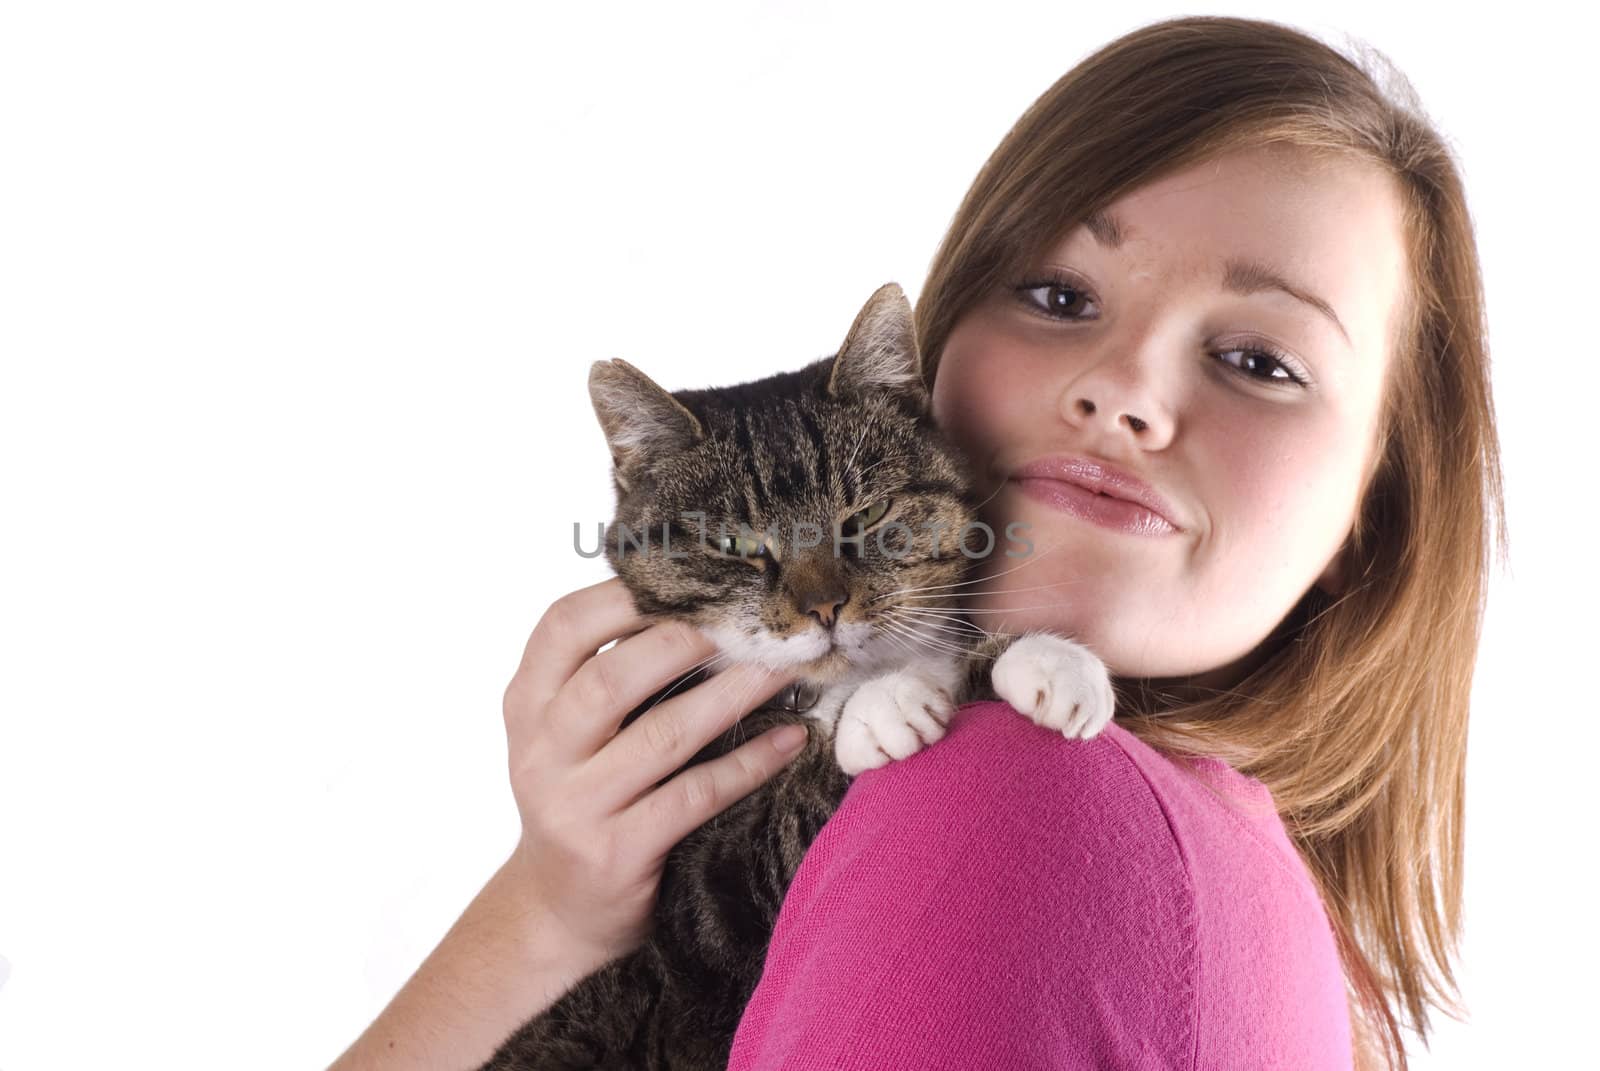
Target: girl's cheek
x,y
963,396
1241,477
1288,498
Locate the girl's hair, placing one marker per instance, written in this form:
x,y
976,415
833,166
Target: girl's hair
x,y
1357,720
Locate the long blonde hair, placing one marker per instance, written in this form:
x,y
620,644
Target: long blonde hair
x,y
1357,722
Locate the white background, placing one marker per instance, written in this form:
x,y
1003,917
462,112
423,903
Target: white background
x,y
297,302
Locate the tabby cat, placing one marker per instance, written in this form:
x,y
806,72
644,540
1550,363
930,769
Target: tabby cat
x,y
809,520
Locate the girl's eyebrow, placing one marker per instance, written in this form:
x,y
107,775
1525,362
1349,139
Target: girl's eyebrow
x,y
1106,228
1243,276
1240,275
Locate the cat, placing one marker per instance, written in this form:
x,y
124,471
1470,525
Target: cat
x,y
797,521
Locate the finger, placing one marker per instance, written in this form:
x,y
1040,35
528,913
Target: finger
x,y
589,708
661,740
571,630
698,794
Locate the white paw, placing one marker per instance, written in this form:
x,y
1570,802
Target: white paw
x,y
890,717
1055,682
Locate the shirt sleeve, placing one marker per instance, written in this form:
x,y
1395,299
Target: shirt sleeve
x,y
1004,898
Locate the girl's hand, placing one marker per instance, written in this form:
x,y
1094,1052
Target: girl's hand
x,y
595,828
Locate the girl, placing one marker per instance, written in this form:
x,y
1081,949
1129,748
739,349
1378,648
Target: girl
x,y
1219,268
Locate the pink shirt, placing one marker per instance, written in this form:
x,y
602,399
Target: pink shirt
x,y
1011,899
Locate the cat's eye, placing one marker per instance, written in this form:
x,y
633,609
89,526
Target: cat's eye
x,y
861,521
742,546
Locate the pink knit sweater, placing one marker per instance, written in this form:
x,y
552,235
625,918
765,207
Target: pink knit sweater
x,y
1010,899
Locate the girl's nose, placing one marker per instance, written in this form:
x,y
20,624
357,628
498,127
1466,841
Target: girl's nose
x,y
1134,423
1120,396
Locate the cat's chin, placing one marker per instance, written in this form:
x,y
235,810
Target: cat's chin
x,y
830,667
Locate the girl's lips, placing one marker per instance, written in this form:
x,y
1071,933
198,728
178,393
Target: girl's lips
x,y
1101,479
1098,492
1104,510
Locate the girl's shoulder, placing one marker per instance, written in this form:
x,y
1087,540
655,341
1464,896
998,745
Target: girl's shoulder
x,y
1121,903
1013,788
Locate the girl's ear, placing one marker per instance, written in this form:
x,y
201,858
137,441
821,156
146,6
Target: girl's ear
x,y
1336,576
1332,579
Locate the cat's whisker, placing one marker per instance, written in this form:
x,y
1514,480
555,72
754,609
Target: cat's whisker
x,y
1006,591
1031,559
932,642
952,624
954,635
948,608
1001,486
743,706
984,610
898,642
714,656
927,587
690,672
951,612
882,460
749,689
857,448
967,636
991,592
918,640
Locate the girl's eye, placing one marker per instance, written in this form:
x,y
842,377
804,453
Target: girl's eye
x,y
1056,298
1259,357
1059,298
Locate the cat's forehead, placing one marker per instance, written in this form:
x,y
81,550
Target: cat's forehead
x,y
774,458
782,422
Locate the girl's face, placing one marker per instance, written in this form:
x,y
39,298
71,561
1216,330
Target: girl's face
x,y
1149,340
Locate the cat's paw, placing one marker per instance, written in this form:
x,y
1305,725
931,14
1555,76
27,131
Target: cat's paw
x,y
890,717
1055,682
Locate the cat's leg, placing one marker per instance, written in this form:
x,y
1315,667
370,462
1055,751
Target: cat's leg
x,y
897,714
831,701
1055,682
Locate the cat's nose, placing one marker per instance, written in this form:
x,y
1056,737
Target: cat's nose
x,y
826,609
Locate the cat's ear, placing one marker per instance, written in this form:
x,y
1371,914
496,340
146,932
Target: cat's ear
x,y
641,421
880,354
